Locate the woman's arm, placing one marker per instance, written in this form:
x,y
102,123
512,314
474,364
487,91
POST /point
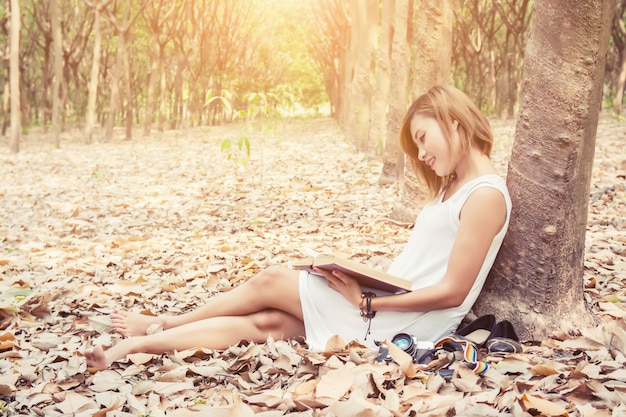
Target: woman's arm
x,y
481,218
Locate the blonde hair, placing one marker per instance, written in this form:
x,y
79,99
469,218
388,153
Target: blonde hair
x,y
446,104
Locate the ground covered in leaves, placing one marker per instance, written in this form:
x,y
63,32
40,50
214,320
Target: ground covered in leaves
x,y
159,224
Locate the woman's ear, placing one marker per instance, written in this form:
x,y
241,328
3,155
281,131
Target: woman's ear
x,y
455,124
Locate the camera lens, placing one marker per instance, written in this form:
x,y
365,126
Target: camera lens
x,y
405,342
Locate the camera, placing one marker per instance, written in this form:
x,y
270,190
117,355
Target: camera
x,y
407,343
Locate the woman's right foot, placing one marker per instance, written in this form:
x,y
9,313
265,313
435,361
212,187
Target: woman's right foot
x,y
96,358
133,324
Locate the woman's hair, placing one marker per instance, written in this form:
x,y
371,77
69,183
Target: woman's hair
x,y
446,104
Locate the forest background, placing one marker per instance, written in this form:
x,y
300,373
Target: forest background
x,y
173,64
158,78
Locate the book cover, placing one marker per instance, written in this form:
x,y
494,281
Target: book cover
x,y
365,275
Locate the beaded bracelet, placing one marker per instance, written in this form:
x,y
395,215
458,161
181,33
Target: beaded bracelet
x,y
366,310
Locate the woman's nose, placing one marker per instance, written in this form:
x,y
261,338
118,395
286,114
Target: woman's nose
x,y
421,154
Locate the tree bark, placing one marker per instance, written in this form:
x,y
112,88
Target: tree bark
x,y
537,280
393,158
365,22
57,77
128,88
153,78
115,94
95,73
14,63
433,45
380,98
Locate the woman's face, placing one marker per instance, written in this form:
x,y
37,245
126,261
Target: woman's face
x,y
433,148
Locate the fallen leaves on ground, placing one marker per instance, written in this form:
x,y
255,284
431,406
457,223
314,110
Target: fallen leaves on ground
x,y
159,224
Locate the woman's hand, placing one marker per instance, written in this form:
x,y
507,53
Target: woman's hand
x,y
344,283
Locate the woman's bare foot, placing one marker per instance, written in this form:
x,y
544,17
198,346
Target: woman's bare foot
x,y
133,324
96,358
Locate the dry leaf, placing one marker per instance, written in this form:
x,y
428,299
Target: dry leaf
x,y
335,384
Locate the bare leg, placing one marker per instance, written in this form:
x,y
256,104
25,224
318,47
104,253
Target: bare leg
x,y
212,333
272,288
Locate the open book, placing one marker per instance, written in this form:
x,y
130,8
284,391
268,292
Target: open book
x,y
367,277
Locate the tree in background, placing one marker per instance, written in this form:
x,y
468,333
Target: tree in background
x,y
393,158
98,7
549,174
122,70
617,56
14,65
160,16
382,79
363,35
327,46
57,76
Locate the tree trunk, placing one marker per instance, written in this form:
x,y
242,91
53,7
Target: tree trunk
x,y
14,63
127,83
115,94
163,93
5,106
95,73
393,158
153,79
57,77
433,45
537,280
365,21
347,65
619,84
431,66
380,98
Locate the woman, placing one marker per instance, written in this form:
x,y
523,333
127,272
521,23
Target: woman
x,y
452,247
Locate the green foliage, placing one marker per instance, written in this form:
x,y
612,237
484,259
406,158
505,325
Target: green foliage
x,y
224,99
238,154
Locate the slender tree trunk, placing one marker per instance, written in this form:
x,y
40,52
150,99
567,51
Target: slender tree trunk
x,y
163,94
393,158
57,76
537,280
95,73
127,86
619,84
115,94
380,98
5,106
14,63
153,79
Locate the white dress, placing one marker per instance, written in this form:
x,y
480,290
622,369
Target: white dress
x,y
423,261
